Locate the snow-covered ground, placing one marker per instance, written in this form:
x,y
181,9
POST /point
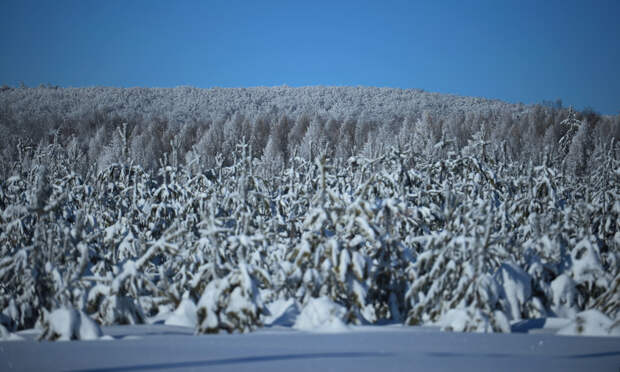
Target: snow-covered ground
x,y
361,348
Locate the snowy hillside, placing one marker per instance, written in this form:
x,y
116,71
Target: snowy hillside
x,y
281,122
187,104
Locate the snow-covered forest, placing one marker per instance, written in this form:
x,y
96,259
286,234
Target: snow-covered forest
x,y
213,208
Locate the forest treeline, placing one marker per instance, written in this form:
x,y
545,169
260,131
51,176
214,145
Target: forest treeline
x,y
103,126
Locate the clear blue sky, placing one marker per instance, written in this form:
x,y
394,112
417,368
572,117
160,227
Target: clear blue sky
x,y
519,51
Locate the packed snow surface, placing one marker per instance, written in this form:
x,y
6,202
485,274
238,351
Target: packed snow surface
x,y
360,348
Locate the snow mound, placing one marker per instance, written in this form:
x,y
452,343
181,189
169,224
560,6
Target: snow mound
x,y
586,265
232,303
564,301
457,320
5,335
516,288
282,313
69,324
321,315
184,315
473,320
591,323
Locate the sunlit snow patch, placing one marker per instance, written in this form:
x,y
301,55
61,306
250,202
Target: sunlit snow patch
x,y
591,323
184,315
69,324
321,315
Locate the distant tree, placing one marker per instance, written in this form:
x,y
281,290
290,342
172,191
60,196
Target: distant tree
x,y
314,140
579,149
297,132
570,127
346,143
273,156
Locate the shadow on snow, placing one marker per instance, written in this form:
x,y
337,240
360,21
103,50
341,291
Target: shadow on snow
x,y
253,359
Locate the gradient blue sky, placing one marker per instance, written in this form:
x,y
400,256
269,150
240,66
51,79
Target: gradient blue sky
x,y
519,51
